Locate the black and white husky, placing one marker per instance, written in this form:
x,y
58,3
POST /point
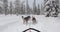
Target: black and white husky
x,y
26,19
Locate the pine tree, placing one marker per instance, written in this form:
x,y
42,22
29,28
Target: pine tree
x,y
17,7
27,7
49,9
5,6
22,7
52,9
56,6
34,7
41,9
38,11
1,10
1,7
11,7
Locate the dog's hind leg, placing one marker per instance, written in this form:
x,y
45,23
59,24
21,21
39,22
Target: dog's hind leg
x,y
24,22
34,22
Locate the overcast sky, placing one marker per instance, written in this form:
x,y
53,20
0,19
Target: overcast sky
x,y
31,1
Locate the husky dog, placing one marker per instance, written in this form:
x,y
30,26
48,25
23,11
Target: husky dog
x,y
26,19
34,20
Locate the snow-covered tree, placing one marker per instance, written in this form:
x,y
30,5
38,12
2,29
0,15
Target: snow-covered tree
x,y
27,7
38,11
22,7
52,9
17,7
56,9
5,6
11,7
34,7
42,9
1,10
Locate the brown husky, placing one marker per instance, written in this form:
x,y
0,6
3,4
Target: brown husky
x,y
34,20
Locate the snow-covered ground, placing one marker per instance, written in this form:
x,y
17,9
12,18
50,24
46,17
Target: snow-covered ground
x,y
15,24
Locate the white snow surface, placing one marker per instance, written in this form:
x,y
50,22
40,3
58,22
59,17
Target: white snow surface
x,y
13,23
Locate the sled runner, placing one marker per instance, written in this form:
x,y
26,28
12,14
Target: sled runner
x,y
31,29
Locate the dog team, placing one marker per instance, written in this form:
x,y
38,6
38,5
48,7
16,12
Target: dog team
x,y
26,19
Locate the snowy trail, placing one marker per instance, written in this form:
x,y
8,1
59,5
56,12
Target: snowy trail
x,y
14,24
7,19
6,26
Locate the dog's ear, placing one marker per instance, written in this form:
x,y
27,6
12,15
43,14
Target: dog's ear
x,y
32,16
22,17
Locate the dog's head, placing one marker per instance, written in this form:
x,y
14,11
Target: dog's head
x,y
33,17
